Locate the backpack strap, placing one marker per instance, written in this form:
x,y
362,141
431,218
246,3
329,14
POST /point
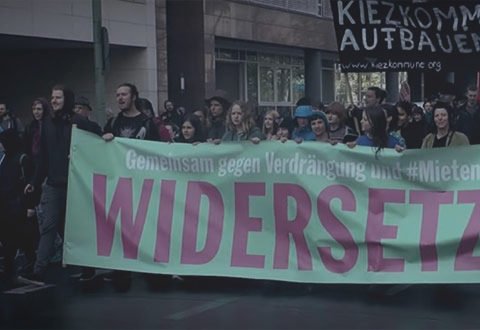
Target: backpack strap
x,y
449,138
22,167
112,122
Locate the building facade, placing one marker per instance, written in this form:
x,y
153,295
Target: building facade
x,y
44,42
267,52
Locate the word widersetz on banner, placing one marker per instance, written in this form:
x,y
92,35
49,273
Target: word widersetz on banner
x,y
307,212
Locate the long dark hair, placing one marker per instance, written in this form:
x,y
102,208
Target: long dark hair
x,y
198,136
407,107
47,109
45,106
391,111
378,121
380,94
165,104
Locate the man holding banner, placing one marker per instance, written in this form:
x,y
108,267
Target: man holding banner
x,y
52,171
129,123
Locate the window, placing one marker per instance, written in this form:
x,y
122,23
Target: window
x,y
276,87
227,54
319,8
324,8
350,87
328,81
136,1
283,85
252,81
267,58
272,81
251,56
328,86
267,87
297,60
298,83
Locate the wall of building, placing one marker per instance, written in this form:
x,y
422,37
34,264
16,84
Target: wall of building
x,y
130,23
195,28
162,66
32,73
186,52
132,34
255,23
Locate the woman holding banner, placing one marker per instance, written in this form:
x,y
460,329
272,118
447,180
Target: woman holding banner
x,y
270,124
410,130
319,126
240,124
444,134
191,131
374,124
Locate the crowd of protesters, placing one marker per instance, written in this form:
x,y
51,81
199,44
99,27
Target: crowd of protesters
x,y
34,158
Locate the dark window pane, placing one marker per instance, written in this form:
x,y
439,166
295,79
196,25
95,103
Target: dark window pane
x,y
227,54
252,56
266,84
283,85
252,82
298,83
328,63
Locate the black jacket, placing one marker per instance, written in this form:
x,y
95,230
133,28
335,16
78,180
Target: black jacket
x,y
413,133
217,131
55,147
15,171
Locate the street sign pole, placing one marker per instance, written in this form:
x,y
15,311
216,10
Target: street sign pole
x,y
99,62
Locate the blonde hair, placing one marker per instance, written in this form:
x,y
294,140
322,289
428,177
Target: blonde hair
x,y
247,120
275,116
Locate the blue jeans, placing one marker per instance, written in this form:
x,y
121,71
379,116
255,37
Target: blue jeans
x,y
53,203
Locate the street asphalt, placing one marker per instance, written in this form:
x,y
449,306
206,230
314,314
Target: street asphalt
x,y
159,302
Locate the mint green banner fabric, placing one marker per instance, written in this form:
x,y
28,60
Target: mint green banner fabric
x,y
307,212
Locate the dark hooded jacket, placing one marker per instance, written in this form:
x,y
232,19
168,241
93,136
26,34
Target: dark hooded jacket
x,y
56,134
218,129
15,170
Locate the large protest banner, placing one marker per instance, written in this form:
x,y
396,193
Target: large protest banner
x,y
400,35
309,213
